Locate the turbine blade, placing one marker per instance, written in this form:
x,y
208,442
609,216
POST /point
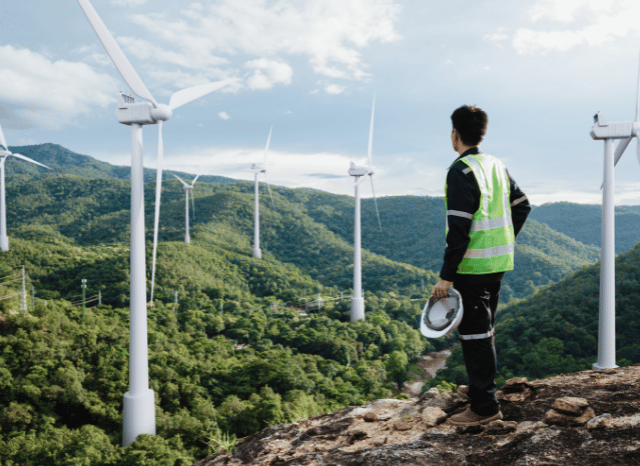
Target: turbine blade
x,y
266,149
622,145
116,54
185,184
194,181
638,150
20,156
156,219
362,179
269,187
193,206
375,201
638,94
190,94
373,107
3,141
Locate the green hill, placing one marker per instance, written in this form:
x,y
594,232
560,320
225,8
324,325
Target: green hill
x,y
584,222
413,233
65,162
320,224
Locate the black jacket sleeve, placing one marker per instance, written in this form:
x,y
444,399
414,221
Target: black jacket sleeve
x,y
463,198
520,206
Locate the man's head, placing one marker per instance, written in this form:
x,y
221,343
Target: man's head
x,y
469,125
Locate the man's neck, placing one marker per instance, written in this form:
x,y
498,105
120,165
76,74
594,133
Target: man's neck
x,y
462,148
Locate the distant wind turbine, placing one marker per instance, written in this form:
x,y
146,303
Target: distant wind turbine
x,y
360,173
4,153
187,188
608,131
139,406
256,169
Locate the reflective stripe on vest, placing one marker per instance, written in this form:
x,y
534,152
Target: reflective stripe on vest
x,y
492,239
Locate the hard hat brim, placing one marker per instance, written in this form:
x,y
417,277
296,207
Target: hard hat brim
x,y
440,331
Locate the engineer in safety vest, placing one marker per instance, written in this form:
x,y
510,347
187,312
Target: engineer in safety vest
x,y
485,211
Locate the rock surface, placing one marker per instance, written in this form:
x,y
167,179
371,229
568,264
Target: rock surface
x,y
600,412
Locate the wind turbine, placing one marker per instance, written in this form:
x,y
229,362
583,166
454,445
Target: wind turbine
x,y
4,153
187,188
608,131
139,407
256,169
360,174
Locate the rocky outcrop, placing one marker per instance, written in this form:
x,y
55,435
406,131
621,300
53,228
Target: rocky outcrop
x,y
590,417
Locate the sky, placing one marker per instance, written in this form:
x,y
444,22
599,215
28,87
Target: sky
x,y
539,68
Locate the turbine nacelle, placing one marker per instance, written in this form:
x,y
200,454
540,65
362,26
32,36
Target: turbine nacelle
x,y
258,168
359,171
603,129
143,113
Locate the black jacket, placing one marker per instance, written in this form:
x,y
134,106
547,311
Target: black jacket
x,y
463,194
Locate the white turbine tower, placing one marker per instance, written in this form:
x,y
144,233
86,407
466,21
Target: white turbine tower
x,y
608,131
139,407
4,153
360,173
187,188
256,169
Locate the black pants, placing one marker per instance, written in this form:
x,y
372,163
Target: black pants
x,y
480,302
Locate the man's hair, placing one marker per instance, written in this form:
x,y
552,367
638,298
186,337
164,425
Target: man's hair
x,y
471,124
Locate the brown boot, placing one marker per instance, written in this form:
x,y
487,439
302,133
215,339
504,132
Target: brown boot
x,y
469,418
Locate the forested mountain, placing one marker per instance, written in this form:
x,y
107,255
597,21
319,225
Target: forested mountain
x,y
412,233
64,161
236,353
96,212
584,222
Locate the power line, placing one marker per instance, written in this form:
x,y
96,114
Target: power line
x,y
10,295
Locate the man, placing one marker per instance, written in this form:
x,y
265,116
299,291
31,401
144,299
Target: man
x,y
485,212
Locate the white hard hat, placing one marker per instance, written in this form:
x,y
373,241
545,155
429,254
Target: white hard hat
x,y
441,316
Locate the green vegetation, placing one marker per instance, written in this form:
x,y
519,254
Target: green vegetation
x,y
240,351
583,222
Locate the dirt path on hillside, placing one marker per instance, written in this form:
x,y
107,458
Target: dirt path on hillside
x,y
430,364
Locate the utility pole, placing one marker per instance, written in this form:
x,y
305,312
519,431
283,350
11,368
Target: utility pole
x,y
23,294
84,297
33,297
99,298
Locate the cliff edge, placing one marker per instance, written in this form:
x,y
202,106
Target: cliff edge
x,y
589,417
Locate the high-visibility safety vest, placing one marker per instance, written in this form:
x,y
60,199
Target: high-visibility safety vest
x,y
492,236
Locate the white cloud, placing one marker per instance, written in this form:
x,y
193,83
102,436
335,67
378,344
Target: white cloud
x,y
597,22
334,89
224,115
40,93
565,10
328,32
497,38
145,50
268,73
